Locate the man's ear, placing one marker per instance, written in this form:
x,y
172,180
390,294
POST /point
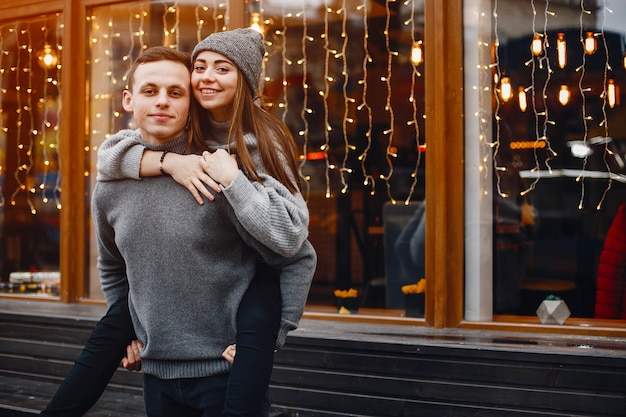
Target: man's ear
x,y
127,101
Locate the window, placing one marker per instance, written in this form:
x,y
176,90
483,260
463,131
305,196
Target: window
x,y
30,182
553,145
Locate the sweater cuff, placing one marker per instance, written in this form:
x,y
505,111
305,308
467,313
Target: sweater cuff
x,y
285,327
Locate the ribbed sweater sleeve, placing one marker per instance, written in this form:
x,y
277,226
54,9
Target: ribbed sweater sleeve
x,y
119,156
270,213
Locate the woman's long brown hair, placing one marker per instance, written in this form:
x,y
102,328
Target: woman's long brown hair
x,y
274,140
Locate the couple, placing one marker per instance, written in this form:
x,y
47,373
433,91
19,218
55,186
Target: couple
x,y
196,278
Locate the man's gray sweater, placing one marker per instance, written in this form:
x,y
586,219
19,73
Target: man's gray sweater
x,y
185,268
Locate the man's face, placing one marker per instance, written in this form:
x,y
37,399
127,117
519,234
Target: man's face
x,y
159,101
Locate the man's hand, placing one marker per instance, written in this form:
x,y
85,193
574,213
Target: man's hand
x,y
187,171
132,361
229,353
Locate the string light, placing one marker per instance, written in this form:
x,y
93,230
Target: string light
x,y
368,179
31,64
305,100
389,154
324,94
561,50
609,96
506,90
521,98
416,59
346,99
564,95
589,46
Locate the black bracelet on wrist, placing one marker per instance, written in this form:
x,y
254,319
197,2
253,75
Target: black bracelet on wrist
x,y
161,162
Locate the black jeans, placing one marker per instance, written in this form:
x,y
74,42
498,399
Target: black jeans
x,y
93,369
258,321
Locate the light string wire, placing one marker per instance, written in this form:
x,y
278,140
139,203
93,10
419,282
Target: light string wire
x,y
495,144
344,170
413,122
324,93
199,20
545,138
284,103
605,123
368,179
583,90
388,107
304,110
23,168
45,124
5,129
57,130
540,114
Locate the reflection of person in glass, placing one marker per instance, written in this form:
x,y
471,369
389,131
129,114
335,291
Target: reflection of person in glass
x,y
611,283
410,244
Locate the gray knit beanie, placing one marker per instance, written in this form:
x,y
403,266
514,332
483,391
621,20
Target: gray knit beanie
x,y
244,47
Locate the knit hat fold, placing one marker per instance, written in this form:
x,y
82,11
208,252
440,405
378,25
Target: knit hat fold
x,y
244,47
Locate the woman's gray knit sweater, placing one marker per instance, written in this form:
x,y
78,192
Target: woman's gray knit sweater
x,y
185,267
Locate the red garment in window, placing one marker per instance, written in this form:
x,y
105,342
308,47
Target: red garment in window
x,y
611,283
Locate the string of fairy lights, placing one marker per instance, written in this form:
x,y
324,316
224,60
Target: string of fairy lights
x,y
114,43
540,91
30,66
38,133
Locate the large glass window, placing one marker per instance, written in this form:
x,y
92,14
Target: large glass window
x,y
30,183
117,35
552,142
345,77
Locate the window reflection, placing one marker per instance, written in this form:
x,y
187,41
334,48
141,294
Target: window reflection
x,y
346,79
29,160
559,157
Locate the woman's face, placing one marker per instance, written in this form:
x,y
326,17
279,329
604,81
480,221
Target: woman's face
x,y
214,83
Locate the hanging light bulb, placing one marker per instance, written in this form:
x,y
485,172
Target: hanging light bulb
x,y
47,57
416,53
624,60
255,22
506,91
561,50
521,97
612,93
564,95
536,46
590,44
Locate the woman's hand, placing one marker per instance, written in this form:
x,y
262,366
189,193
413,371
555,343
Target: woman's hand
x,y
220,166
188,172
132,360
229,353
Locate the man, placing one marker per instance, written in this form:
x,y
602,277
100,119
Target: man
x,y
184,266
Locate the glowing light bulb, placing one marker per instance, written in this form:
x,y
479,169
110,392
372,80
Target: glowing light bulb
x,y
561,50
612,96
564,95
416,53
536,46
506,91
590,44
521,96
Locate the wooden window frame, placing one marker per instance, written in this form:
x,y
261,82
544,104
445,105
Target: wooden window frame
x,y
444,129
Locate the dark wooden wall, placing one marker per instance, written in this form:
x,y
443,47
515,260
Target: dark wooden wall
x,y
351,369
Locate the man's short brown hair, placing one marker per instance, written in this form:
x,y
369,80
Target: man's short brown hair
x,y
155,54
